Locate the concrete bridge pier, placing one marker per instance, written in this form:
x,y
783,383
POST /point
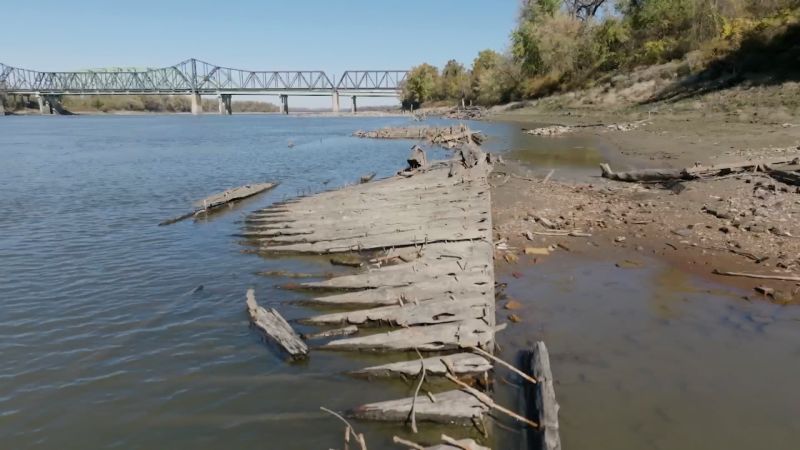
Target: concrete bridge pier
x,y
197,103
225,107
2,106
355,106
284,103
42,106
335,101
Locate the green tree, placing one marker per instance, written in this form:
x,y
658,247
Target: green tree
x,y
486,61
454,83
421,83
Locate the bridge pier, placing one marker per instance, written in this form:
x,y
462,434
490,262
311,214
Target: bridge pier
x,y
225,107
2,106
354,109
40,101
335,101
197,103
284,103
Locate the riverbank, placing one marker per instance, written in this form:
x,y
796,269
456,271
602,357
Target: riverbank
x,y
745,223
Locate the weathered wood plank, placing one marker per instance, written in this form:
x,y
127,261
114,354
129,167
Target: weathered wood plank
x,y
461,363
448,336
275,327
215,201
451,407
410,314
545,398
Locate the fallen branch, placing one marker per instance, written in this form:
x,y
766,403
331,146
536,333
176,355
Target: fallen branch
x,y
412,413
503,363
359,437
574,233
486,400
409,444
758,276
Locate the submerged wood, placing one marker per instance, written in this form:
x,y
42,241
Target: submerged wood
x,y
336,332
698,171
544,398
451,407
461,363
215,201
275,327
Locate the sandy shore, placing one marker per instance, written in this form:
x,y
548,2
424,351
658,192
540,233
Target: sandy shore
x,y
747,223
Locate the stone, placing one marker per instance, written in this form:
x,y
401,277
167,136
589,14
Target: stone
x,y
514,318
537,251
512,305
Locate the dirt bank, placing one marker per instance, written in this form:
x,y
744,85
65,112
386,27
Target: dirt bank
x,y
745,223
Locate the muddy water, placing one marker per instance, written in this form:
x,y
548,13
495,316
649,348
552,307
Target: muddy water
x,y
651,357
116,333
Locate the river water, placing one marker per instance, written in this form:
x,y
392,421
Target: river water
x,y
116,333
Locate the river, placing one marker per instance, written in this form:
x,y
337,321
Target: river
x,y
116,333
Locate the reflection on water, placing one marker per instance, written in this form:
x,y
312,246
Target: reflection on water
x,y
106,339
654,358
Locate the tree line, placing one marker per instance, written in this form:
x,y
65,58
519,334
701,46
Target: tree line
x,y
559,45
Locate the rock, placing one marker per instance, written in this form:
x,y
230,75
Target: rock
x,y
619,239
683,232
511,258
514,318
537,251
512,305
755,227
768,291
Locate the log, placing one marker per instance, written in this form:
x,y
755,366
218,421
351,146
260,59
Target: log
x,y
695,172
785,176
275,327
451,407
217,200
461,363
758,276
543,398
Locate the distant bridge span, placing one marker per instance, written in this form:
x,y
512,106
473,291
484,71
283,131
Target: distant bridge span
x,y
196,78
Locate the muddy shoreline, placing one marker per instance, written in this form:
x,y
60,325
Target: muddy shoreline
x,y
746,223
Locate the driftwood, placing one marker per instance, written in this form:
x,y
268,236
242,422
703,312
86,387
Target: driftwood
x,y
336,332
544,398
461,364
367,178
445,136
215,201
448,444
486,400
758,276
417,159
785,176
448,336
455,407
275,327
698,171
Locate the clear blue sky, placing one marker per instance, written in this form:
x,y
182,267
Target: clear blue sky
x,y
268,34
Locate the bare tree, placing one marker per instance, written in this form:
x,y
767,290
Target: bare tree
x,y
584,9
